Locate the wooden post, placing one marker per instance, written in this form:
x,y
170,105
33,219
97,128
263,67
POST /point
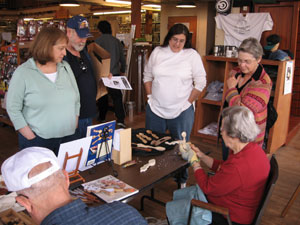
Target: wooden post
x,y
136,16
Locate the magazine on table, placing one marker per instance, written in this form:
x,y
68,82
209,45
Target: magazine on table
x,y
110,188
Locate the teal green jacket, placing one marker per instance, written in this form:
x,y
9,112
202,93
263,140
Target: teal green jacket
x,y
49,109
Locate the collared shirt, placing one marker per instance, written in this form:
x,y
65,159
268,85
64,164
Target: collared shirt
x,y
78,213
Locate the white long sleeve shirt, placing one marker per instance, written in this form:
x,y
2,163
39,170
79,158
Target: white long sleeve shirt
x,y
173,76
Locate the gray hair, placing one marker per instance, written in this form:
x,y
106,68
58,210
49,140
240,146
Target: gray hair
x,y
45,185
239,122
251,46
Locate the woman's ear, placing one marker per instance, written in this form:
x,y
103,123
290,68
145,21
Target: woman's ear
x,y
23,201
259,59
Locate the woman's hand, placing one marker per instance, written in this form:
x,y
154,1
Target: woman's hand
x,y
27,133
197,151
232,81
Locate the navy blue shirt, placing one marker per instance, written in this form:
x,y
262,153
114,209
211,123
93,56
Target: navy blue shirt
x,y
86,82
78,213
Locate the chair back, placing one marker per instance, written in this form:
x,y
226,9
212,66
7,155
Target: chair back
x,y
273,175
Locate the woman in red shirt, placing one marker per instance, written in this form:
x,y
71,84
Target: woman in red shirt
x,y
239,182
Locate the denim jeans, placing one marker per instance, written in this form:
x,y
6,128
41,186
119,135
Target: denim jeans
x,y
82,126
184,122
51,143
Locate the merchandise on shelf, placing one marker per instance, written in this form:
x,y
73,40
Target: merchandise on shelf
x,y
8,64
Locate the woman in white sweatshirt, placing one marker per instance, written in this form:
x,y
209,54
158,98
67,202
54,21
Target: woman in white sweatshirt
x,y
174,77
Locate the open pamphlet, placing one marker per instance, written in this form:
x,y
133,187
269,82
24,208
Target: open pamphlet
x,y
110,189
117,82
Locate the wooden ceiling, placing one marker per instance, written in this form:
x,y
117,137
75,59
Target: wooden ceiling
x,y
21,4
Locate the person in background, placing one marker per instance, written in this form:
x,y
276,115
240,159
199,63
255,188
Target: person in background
x,y
43,99
43,189
249,85
239,182
117,68
173,77
80,62
272,50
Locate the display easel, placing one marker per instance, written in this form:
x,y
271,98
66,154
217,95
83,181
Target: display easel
x,y
104,136
74,175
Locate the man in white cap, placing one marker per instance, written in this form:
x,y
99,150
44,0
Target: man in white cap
x,y
42,188
81,64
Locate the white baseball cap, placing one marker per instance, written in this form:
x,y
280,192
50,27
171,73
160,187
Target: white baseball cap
x,y
16,168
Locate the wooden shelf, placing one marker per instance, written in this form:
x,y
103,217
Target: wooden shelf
x,y
207,111
211,102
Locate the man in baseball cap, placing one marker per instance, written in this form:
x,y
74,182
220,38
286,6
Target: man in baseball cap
x,y
80,25
80,61
42,188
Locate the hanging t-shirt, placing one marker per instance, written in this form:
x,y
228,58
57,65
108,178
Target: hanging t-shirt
x,y
238,27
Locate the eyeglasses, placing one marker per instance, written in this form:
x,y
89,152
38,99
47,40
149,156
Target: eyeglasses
x,y
181,41
247,61
82,65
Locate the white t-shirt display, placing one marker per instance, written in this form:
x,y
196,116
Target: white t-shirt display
x,y
238,27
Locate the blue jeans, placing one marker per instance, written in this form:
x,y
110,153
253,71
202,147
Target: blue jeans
x,y
82,126
184,122
51,143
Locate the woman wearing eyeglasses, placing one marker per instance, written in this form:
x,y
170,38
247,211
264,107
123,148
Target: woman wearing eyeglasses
x,y
249,85
43,99
173,77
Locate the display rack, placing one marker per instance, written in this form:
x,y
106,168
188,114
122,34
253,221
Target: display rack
x,y
207,111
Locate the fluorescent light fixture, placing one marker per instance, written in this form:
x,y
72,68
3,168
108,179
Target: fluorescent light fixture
x,y
69,3
186,5
152,6
28,19
115,12
112,12
119,2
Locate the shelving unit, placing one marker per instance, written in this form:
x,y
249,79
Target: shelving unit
x,y
20,50
207,111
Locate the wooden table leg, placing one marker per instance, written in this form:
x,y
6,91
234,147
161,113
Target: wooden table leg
x,y
291,201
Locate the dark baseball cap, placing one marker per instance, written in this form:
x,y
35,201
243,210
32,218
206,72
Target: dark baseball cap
x,y
272,40
81,25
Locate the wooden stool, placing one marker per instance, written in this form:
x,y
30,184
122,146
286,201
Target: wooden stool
x,y
74,175
291,201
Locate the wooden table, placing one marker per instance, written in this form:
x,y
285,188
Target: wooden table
x,y
167,165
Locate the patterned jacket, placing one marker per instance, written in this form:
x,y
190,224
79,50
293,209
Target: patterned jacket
x,y
255,96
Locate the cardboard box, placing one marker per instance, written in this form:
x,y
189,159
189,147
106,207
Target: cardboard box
x,y
101,69
124,154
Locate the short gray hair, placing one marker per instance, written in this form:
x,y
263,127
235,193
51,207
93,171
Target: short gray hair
x,y
39,188
239,122
251,46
